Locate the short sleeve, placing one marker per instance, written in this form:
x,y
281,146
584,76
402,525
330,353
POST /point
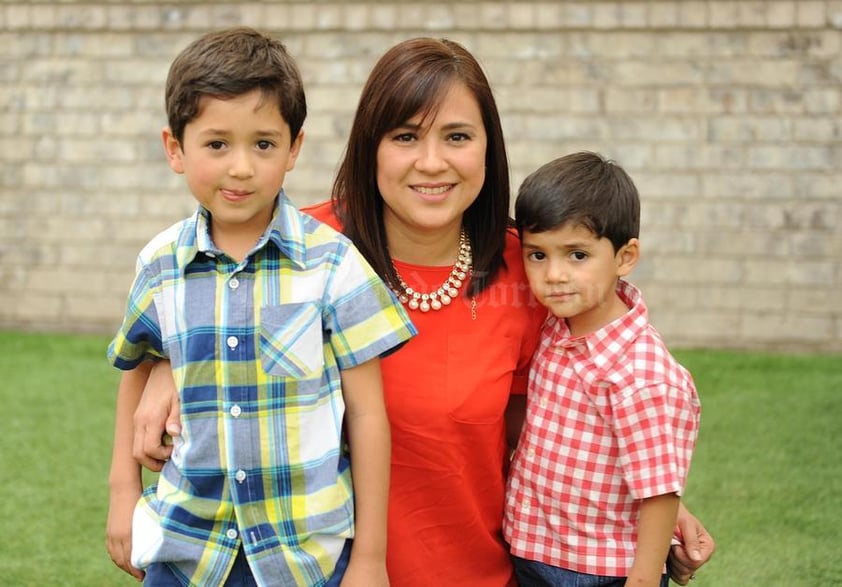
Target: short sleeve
x,y
656,428
364,318
139,336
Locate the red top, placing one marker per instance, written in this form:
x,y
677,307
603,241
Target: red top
x,y
612,419
446,392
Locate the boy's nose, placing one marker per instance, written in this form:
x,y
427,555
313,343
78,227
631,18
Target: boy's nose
x,y
241,166
555,272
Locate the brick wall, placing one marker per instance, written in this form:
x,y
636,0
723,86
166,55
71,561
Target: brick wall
x,y
726,113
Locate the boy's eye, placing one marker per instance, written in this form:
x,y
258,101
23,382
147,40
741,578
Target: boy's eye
x,y
536,256
216,145
265,145
579,255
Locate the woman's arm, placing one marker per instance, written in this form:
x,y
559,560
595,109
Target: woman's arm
x,y
696,548
370,445
158,411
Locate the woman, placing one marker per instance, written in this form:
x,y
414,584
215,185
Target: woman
x,y
423,192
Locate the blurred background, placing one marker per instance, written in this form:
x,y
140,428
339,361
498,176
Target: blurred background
x,y
726,114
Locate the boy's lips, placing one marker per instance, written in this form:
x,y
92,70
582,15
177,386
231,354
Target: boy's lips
x,y
234,195
559,295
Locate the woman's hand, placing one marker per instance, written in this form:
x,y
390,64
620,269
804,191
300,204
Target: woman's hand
x,y
695,550
159,411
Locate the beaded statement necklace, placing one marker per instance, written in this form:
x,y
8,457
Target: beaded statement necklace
x,y
447,291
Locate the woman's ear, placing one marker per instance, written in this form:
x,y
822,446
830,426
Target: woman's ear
x,y
627,257
172,149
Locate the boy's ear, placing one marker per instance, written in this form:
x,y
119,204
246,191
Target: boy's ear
x,y
172,150
627,257
295,149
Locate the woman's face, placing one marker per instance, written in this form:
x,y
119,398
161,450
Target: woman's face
x,y
429,175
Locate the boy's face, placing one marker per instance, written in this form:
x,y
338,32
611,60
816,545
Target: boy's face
x,y
234,156
574,274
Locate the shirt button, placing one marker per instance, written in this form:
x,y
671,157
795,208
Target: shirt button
x,y
543,402
234,283
232,534
240,476
236,411
530,453
232,342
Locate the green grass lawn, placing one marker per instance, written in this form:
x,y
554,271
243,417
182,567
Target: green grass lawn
x,y
766,479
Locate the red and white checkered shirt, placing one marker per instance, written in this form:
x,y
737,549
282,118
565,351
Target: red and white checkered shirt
x,y
612,419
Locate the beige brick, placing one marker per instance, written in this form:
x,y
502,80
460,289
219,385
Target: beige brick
x,y
781,14
789,327
706,157
663,14
577,14
723,15
492,15
693,14
550,15
752,14
37,308
523,16
640,73
810,14
834,14
606,15
634,14
411,14
19,17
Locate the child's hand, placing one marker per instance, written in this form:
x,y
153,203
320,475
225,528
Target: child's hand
x,y
118,530
364,573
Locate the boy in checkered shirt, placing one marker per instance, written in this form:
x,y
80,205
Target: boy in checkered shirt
x,y
612,418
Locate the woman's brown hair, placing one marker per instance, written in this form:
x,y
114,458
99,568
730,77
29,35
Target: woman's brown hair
x,y
411,79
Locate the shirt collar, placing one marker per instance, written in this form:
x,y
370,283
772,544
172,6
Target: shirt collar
x,y
285,231
604,346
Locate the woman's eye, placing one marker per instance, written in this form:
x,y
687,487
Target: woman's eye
x,y
404,137
459,137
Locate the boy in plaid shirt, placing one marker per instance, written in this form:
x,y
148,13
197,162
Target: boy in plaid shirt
x,y
612,418
273,324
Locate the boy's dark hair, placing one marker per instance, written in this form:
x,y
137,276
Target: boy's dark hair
x,y
584,189
229,63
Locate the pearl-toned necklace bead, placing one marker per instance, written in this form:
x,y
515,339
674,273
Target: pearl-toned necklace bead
x,y
447,291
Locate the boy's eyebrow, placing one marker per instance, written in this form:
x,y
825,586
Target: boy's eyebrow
x,y
226,131
565,245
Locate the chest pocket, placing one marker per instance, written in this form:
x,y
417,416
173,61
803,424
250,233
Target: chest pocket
x,y
479,380
291,340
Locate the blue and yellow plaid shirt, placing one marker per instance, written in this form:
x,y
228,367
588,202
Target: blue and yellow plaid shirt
x,y
256,348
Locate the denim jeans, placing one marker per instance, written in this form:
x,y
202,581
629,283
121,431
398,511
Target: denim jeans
x,y
535,574
160,574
